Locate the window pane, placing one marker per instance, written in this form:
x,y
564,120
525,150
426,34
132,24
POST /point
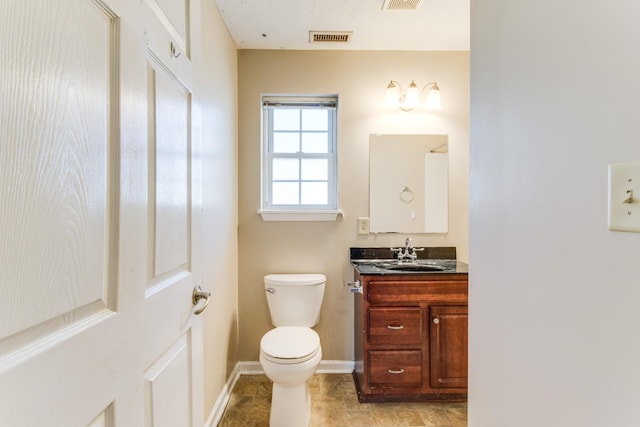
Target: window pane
x,y
285,193
315,142
314,169
286,119
315,119
285,169
298,152
286,142
314,193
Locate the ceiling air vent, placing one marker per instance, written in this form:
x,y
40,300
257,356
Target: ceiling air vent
x,y
401,4
330,36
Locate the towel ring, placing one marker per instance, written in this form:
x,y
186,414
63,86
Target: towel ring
x,y
406,195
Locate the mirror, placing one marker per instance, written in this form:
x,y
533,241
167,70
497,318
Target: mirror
x,y
408,184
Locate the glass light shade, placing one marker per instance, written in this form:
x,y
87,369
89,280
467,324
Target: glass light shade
x,y
433,99
412,98
391,95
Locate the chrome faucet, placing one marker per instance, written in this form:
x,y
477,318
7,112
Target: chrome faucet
x,y
408,245
408,254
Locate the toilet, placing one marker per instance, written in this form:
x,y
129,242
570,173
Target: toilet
x,y
290,353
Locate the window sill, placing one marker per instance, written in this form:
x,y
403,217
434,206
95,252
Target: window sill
x,y
275,215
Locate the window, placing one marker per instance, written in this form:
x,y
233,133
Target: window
x,y
299,162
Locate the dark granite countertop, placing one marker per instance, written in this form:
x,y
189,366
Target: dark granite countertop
x,y
381,261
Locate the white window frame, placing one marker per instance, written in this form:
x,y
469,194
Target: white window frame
x,y
298,212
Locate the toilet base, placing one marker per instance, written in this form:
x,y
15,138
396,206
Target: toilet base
x,y
290,400
290,406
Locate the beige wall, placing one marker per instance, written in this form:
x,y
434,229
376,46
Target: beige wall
x,y
359,78
216,96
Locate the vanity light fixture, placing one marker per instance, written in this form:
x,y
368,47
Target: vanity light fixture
x,y
409,100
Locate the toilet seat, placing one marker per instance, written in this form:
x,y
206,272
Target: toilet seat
x,y
290,344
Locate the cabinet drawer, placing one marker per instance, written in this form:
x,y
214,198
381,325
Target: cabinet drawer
x,y
402,368
395,325
403,292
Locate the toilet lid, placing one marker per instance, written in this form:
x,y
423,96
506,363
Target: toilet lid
x,y
290,342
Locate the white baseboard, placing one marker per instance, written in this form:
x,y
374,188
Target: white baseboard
x,y
250,368
326,367
254,368
336,367
223,399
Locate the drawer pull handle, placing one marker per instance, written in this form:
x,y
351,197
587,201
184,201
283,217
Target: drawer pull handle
x,y
396,371
395,328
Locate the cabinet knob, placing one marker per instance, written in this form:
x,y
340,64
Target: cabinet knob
x,y
436,320
395,328
395,371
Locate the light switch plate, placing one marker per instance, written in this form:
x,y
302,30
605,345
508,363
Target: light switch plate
x,y
624,197
363,225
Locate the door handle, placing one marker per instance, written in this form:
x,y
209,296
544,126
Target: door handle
x,y
199,294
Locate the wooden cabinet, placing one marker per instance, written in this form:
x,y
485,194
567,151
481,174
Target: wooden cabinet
x,y
411,337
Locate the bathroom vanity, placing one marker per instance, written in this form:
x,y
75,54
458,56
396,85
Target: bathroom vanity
x,y
410,326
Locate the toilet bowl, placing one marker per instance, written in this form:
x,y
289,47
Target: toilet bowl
x,y
289,356
291,352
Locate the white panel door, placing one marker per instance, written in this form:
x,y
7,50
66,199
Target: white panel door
x,y
99,203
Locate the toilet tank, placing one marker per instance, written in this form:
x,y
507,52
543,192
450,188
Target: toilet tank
x,y
294,299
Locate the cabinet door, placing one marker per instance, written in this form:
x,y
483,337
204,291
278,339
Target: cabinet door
x,y
448,346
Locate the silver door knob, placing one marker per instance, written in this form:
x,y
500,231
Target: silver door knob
x,y
199,294
436,320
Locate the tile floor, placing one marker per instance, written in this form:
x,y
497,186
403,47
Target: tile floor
x,y
334,404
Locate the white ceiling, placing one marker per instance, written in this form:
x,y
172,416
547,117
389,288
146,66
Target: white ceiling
x,y
285,24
